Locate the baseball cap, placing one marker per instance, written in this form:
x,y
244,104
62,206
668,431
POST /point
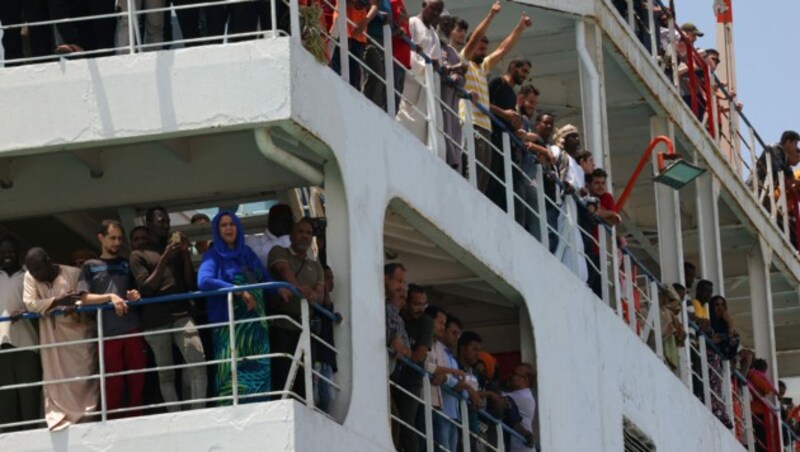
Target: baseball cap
x,y
689,27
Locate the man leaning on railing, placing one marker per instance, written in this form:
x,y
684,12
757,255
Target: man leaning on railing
x,y
49,287
295,266
109,279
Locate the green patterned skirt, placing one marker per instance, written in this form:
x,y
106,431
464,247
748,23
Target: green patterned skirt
x,y
252,339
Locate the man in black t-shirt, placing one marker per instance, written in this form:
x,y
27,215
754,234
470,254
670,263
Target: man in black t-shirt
x,y
503,104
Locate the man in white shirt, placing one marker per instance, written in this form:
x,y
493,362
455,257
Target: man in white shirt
x,y
20,366
413,112
279,225
521,384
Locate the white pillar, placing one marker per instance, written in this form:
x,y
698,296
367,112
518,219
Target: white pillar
x,y
708,234
589,41
668,214
758,264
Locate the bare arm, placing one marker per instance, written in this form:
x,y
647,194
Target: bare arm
x,y
480,31
511,40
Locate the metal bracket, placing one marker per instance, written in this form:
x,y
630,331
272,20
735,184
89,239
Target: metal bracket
x,y
6,178
93,159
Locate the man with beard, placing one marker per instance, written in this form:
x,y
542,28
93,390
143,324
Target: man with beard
x,y
294,265
109,279
481,63
21,366
164,267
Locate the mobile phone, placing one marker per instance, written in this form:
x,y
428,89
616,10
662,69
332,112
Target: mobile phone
x,y
175,239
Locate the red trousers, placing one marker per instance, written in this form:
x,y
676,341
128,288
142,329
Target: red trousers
x,y
121,355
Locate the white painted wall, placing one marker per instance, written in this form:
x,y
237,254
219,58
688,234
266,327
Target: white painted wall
x,y
592,369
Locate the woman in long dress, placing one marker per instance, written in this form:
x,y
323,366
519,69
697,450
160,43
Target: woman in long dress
x,y
229,263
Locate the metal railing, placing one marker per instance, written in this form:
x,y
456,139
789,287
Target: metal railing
x,y
469,438
719,112
301,360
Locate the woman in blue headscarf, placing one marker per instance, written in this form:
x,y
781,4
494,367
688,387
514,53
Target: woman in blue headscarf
x,y
228,263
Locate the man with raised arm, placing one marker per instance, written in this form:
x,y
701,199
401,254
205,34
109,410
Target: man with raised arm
x,y
164,267
109,279
481,63
17,367
49,287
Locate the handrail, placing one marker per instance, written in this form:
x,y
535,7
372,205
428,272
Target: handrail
x,y
161,299
483,413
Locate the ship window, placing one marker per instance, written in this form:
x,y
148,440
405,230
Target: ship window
x,y
635,439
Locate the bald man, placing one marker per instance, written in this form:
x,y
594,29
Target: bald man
x,y
49,287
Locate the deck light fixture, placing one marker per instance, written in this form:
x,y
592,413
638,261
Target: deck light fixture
x,y
677,174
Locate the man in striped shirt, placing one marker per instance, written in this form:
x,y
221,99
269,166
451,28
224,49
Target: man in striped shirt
x,y
480,64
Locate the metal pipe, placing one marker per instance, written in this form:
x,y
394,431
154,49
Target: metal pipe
x,y
388,68
541,205
305,342
469,137
341,27
509,182
296,165
640,167
102,362
133,27
232,340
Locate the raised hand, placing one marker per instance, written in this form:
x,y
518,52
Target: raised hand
x,y
496,7
525,20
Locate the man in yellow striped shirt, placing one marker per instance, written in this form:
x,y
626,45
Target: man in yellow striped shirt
x,y
480,64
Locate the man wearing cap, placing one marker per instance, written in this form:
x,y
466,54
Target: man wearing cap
x,y
692,32
784,155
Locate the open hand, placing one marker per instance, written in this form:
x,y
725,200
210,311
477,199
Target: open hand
x,y
249,301
120,307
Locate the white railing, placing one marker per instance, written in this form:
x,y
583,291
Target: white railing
x,y
301,359
469,439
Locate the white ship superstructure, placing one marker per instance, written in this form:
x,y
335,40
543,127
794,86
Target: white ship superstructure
x,y
229,124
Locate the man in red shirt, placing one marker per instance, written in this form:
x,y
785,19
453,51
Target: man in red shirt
x,y
603,208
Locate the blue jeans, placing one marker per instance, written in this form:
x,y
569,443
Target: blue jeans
x,y
323,391
444,432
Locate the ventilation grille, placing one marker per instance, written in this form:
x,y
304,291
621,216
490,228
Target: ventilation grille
x,y
635,439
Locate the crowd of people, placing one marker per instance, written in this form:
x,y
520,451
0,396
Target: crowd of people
x,y
141,337
424,338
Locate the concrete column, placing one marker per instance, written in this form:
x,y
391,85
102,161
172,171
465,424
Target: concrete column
x,y
593,93
708,233
758,264
668,215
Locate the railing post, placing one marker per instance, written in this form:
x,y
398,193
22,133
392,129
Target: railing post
x,y
602,261
465,439
273,15
655,305
388,68
101,357
426,395
507,168
769,180
541,204
308,365
753,163
673,52
701,338
651,23
232,343
501,444
294,20
432,107
133,27
618,295
748,418
727,389
469,138
341,27
783,205
631,18
629,282
684,352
